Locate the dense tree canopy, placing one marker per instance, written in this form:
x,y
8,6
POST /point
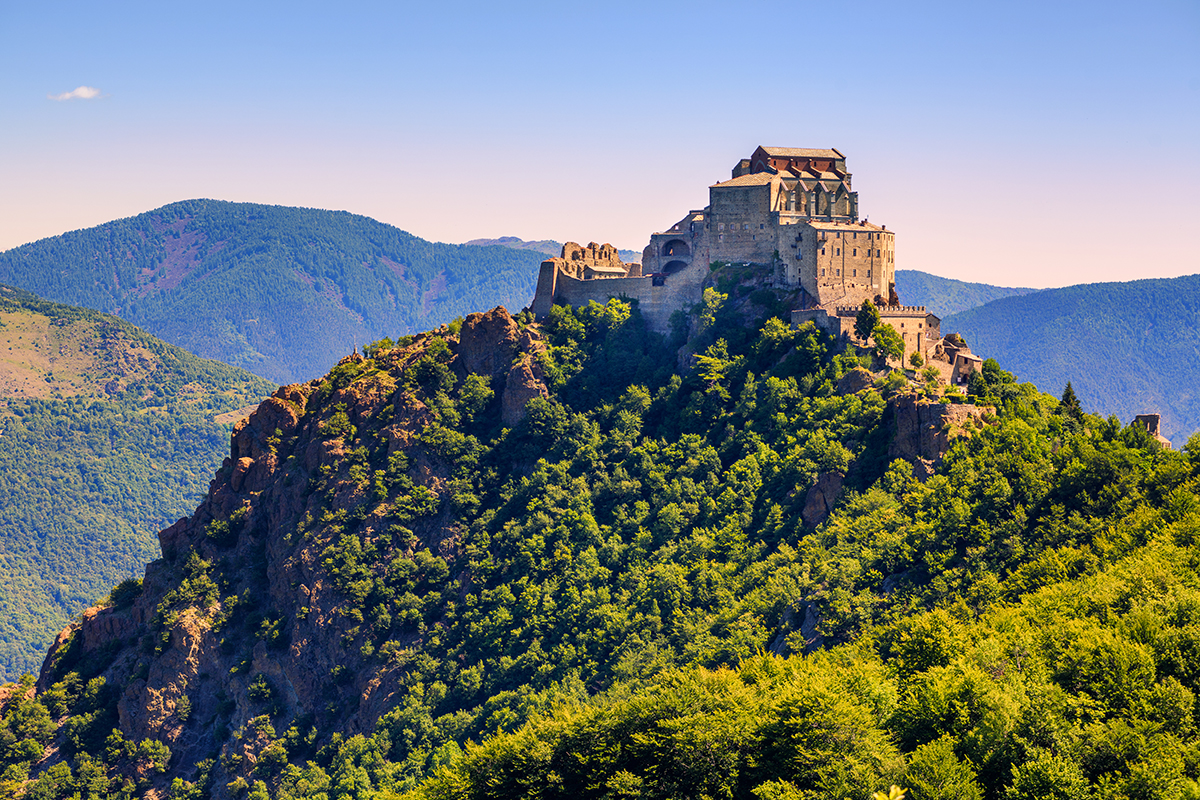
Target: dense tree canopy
x,y
637,608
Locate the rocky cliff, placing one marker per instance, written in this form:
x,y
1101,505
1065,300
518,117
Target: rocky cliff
x,y
254,610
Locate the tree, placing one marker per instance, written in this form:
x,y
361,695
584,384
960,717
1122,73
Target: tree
x,y
916,360
888,343
1069,405
867,320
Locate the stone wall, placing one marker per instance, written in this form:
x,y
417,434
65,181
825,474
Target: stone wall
x,y
658,296
920,330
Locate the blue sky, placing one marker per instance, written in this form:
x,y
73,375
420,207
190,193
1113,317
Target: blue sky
x,y
1018,143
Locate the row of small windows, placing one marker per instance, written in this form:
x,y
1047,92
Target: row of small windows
x,y
837,251
733,226
838,272
868,234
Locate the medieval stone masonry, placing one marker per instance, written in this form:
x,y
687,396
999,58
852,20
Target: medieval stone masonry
x,y
791,210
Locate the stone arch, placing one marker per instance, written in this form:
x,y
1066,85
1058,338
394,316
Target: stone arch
x,y
676,247
671,267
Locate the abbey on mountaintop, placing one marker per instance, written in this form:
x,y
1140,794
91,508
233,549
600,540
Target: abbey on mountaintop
x,y
790,210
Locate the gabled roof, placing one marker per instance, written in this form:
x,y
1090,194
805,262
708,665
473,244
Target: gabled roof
x,y
800,152
753,179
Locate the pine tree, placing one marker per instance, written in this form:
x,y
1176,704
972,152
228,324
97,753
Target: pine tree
x,y
1069,405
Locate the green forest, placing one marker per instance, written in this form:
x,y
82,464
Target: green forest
x,y
946,296
88,480
282,292
631,605
1127,348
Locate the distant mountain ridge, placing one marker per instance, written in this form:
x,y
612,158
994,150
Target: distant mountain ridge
x,y
283,292
945,296
106,435
547,246
1126,348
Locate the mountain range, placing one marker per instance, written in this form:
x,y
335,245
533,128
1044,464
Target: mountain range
x,y
946,296
282,292
106,436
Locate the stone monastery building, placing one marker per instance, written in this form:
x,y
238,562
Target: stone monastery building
x,y
792,210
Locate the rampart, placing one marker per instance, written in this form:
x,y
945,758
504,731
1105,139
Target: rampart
x,y
597,273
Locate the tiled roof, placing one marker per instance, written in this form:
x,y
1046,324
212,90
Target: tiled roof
x,y
845,226
753,179
801,152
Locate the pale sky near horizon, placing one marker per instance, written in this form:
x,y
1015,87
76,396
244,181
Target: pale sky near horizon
x,y
1018,143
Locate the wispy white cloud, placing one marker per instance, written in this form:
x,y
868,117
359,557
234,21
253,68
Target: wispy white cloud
x,y
80,93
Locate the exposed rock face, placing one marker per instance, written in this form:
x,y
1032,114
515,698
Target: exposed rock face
x,y
855,380
525,380
488,342
822,495
924,430
244,591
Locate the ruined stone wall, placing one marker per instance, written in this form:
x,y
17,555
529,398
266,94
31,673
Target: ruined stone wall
x,y
658,297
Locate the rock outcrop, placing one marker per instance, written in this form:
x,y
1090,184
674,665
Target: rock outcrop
x,y
822,495
924,430
488,342
246,612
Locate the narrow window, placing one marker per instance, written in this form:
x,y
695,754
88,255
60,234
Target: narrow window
x,y
822,273
856,251
838,251
868,273
839,272
822,251
855,273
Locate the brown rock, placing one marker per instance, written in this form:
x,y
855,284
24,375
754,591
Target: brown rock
x,y
855,381
488,342
924,431
821,497
523,385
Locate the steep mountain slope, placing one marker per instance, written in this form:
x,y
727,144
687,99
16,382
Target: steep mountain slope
x,y
552,540
106,435
282,292
945,296
1126,348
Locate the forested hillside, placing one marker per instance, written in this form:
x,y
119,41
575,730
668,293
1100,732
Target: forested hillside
x,y
945,296
1126,348
548,247
282,292
505,560
106,435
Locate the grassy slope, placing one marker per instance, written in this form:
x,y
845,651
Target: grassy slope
x,y
1126,348
106,436
282,292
